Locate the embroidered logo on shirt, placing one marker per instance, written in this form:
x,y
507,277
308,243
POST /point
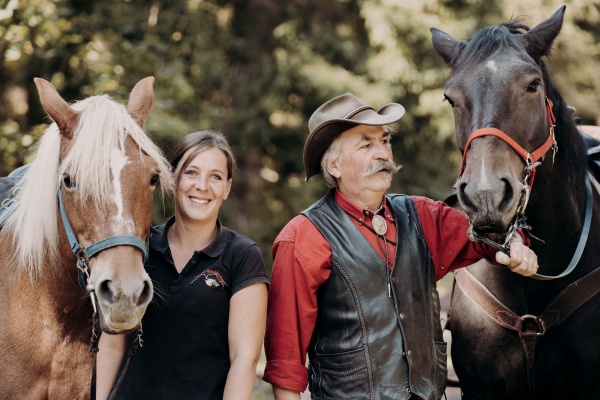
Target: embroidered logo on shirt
x,y
212,279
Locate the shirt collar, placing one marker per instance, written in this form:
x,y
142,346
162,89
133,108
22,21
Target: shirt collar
x,y
358,212
160,242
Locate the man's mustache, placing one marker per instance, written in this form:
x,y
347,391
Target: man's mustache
x,y
382,165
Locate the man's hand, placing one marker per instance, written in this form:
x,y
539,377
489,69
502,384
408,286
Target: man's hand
x,y
522,259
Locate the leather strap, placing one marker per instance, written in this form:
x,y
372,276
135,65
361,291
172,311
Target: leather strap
x,y
530,158
530,327
83,254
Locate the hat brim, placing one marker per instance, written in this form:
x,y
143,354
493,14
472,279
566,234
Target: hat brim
x,y
321,137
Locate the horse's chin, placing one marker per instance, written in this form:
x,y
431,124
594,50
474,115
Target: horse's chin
x,y
116,331
116,328
493,229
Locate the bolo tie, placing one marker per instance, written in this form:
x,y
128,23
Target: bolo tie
x,y
379,229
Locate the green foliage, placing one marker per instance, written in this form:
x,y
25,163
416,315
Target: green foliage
x,y
256,70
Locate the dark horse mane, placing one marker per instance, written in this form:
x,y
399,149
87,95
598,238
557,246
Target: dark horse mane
x,y
572,153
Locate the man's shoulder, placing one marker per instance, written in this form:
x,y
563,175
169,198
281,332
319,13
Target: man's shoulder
x,y
422,200
421,204
298,226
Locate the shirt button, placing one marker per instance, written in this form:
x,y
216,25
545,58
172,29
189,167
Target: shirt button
x,y
409,353
407,390
401,315
403,353
394,279
173,289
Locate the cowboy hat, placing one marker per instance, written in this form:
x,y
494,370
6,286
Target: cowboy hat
x,y
337,116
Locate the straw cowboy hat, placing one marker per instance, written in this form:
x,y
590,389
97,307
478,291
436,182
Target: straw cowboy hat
x,y
336,116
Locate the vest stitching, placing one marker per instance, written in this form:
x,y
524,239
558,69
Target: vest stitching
x,y
345,373
432,330
362,325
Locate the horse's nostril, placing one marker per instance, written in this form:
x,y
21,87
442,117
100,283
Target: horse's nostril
x,y
105,291
508,196
145,295
464,200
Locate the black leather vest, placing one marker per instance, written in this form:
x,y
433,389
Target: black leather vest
x,y
367,345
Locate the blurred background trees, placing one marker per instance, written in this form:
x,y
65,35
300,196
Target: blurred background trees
x,y
257,69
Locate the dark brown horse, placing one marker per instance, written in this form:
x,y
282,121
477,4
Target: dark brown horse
x,y
84,205
515,337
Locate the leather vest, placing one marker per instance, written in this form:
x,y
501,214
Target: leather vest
x,y
367,345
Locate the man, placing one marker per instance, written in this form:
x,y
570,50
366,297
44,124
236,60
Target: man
x,y
353,280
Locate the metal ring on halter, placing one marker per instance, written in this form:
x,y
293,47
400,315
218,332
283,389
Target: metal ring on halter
x,y
526,191
7,203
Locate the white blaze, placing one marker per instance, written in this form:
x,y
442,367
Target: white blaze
x,y
118,159
484,182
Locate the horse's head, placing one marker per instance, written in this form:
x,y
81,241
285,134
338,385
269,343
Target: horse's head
x,y
499,82
107,173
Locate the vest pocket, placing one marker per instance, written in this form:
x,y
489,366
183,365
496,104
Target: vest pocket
x,y
340,375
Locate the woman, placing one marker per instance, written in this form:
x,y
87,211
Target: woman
x,y
203,331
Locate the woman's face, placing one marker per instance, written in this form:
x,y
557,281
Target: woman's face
x,y
203,186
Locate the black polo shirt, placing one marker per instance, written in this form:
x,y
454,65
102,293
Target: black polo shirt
x,y
185,353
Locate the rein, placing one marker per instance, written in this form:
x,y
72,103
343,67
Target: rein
x,y
84,254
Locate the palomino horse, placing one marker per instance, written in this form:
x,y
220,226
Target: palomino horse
x,y
85,205
515,337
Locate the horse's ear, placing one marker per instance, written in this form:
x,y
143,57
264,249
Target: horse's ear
x,y
59,110
538,41
445,45
140,100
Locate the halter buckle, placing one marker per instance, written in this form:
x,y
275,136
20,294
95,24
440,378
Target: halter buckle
x,y
528,161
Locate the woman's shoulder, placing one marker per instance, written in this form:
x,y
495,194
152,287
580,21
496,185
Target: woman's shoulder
x,y
243,257
239,241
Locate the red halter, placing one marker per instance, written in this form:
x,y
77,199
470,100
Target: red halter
x,y
530,158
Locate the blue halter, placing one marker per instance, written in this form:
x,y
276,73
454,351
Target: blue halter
x,y
84,254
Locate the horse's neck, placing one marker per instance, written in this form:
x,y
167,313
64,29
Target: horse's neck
x,y
51,300
556,213
59,283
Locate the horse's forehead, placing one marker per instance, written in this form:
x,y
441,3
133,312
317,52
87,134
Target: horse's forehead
x,y
501,67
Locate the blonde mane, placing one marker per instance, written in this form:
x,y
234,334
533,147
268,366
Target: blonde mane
x,y
103,126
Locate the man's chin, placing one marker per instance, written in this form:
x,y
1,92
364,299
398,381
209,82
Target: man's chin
x,y
386,176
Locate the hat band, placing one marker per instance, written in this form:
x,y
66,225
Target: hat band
x,y
359,109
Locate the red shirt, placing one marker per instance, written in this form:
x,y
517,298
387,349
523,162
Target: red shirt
x,y
302,262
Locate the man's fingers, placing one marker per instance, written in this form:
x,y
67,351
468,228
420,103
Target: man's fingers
x,y
522,260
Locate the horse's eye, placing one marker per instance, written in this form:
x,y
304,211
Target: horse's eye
x,y
449,100
153,180
69,183
534,86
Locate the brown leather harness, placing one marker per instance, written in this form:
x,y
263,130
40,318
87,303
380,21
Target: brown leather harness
x,y
530,327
